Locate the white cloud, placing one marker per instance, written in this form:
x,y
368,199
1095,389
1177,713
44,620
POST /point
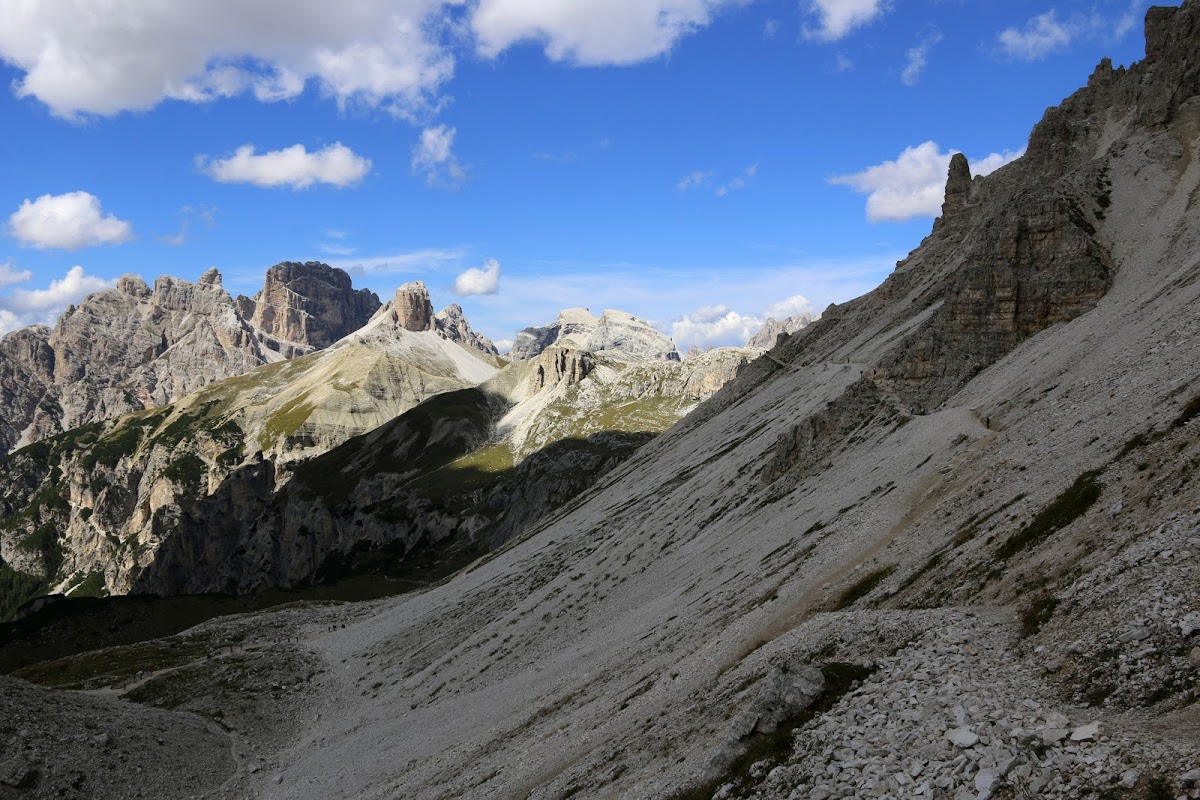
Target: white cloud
x,y
843,63
1041,35
838,18
914,184
1131,18
22,307
103,56
10,275
713,325
479,281
591,32
721,326
794,306
335,165
433,157
503,345
917,58
66,221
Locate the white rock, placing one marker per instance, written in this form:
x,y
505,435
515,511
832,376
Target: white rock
x,y
962,737
1087,733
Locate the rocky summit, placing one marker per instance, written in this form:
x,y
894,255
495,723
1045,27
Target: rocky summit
x,y
121,496
134,347
942,542
306,307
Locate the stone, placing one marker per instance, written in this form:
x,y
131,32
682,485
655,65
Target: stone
x,y
1055,719
1139,634
1087,733
1130,778
1190,624
962,737
1053,735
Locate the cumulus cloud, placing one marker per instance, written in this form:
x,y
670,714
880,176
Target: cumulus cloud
x,y
795,306
66,221
503,345
838,18
721,326
914,184
476,281
84,57
22,307
591,32
10,275
335,165
433,157
101,57
918,57
1041,36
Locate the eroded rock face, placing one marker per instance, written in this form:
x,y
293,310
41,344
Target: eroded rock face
x,y
958,185
614,333
560,366
135,346
772,329
410,308
452,325
572,326
624,335
307,306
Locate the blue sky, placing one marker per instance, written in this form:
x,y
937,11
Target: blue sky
x,y
699,163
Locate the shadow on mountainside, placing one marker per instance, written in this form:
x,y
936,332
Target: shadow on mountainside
x,y
392,511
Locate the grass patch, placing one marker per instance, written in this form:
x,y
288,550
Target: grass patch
x,y
863,587
92,585
1065,509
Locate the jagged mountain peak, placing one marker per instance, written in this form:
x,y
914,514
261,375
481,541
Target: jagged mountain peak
x,y
135,346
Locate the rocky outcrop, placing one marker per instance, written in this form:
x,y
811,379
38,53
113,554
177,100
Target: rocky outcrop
x,y
772,329
571,327
623,335
134,346
451,324
958,185
615,333
560,366
306,306
410,308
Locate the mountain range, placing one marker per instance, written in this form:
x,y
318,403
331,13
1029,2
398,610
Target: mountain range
x,y
942,542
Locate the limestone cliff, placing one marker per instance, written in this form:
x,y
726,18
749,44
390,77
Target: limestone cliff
x,y
136,347
306,306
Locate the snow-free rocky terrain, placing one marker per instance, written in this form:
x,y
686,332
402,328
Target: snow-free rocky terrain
x,y
943,542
